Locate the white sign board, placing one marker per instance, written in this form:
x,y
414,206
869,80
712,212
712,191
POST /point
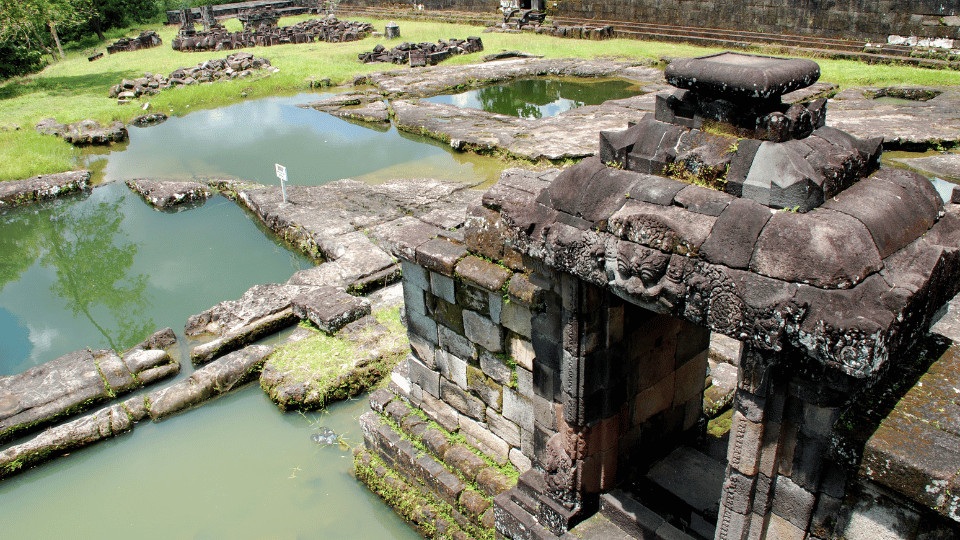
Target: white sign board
x,y
281,172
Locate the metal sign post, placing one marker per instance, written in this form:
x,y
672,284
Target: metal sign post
x,y
282,175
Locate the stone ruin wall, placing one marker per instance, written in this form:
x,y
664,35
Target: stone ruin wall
x,y
870,20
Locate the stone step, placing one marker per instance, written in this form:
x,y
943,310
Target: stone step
x,y
460,483
411,501
683,489
635,519
513,521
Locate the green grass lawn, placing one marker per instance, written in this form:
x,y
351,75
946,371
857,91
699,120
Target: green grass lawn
x,y
75,89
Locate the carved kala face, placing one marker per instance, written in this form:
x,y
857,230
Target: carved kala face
x,y
649,265
653,265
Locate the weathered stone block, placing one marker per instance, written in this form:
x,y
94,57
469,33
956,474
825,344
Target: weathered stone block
x,y
460,400
495,306
452,368
440,255
846,251
792,502
329,308
487,389
457,344
482,331
445,313
440,412
473,298
495,368
743,453
781,178
415,275
523,290
654,399
484,233
518,409
424,377
521,350
424,350
503,428
443,287
413,300
422,326
459,457
380,398
483,273
519,460
481,438
517,317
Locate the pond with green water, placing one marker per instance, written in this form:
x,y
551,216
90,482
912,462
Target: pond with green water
x,y
540,98
245,141
105,270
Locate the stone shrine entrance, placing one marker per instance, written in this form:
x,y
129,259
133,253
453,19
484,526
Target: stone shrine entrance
x,y
568,331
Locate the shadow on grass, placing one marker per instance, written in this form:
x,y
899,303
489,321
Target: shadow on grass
x,y
69,85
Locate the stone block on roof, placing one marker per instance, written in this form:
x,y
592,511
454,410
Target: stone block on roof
x,y
484,273
823,248
440,255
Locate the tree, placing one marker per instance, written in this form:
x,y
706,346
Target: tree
x,y
29,19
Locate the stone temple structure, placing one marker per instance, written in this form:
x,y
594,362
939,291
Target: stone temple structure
x,y
567,330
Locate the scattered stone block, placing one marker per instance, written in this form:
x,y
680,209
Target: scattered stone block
x,y
329,308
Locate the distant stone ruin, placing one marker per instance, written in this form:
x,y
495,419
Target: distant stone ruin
x,y
422,54
145,40
254,19
329,29
236,66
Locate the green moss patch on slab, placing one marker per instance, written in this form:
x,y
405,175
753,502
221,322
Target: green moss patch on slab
x,y
316,368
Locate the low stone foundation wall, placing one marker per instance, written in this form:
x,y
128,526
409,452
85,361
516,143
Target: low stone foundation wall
x,y
441,485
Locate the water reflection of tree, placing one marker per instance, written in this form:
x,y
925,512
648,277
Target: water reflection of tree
x,y
522,98
525,98
93,258
19,245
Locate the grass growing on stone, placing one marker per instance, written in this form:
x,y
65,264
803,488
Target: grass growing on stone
x,y
323,361
75,89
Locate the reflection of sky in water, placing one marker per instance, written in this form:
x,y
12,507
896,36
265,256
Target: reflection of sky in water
x,y
539,98
527,110
246,140
188,261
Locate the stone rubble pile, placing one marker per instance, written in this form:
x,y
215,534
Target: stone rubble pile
x,y
145,40
83,132
252,19
235,66
329,29
421,54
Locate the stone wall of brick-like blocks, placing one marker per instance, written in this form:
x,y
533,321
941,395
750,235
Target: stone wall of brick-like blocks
x,y
510,356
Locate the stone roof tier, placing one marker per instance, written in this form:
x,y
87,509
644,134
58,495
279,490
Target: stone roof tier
x,y
850,283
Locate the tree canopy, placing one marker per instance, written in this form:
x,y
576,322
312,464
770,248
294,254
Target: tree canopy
x,y
27,21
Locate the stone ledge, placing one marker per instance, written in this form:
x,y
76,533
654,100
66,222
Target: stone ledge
x,y
447,472
42,188
916,449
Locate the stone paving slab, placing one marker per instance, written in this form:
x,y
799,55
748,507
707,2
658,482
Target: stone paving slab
x,y
43,187
947,165
571,134
435,80
913,123
166,195
352,225
77,381
693,477
916,449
